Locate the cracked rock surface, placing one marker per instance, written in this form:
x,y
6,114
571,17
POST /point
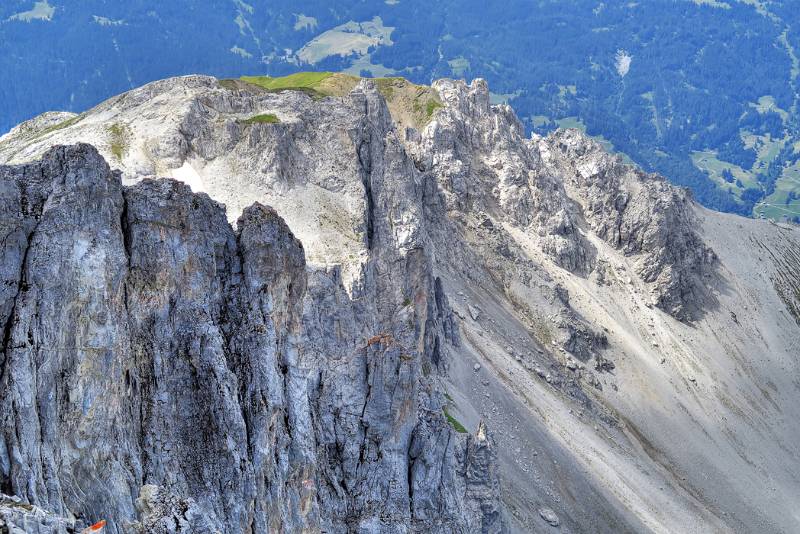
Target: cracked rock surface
x,y
159,363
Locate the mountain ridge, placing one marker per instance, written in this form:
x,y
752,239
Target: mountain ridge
x,y
571,313
713,110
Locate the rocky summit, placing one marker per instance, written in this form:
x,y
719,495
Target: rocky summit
x,y
233,307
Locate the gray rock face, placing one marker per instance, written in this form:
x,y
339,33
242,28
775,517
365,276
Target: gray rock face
x,y
18,517
641,215
481,160
163,513
558,189
159,364
492,183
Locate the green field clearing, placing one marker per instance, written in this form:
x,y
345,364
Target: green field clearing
x,y
539,120
767,150
707,161
774,206
767,103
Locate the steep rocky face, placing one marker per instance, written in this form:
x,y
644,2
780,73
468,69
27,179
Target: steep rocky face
x,y
641,215
493,185
480,158
160,365
483,164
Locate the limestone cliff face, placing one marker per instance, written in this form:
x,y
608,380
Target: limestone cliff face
x,y
641,215
169,373
559,189
482,161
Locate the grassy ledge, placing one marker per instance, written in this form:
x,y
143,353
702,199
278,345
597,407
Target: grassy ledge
x,y
118,140
458,427
266,118
432,106
299,80
63,124
31,136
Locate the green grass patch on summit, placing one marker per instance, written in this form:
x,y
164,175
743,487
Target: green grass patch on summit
x,y
386,85
56,127
432,106
63,124
410,104
306,80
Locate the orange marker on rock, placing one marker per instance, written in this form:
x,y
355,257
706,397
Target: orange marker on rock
x,y
94,529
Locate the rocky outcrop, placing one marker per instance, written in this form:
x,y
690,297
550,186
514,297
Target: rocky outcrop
x,y
482,162
560,188
490,183
640,214
161,512
19,517
170,374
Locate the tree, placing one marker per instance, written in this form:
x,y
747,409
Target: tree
x,y
752,195
727,175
